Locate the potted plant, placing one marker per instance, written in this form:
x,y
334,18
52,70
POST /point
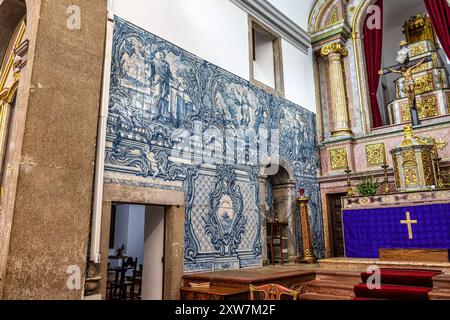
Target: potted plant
x,y
368,187
121,251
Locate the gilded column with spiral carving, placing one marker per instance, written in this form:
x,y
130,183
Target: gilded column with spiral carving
x,y
341,122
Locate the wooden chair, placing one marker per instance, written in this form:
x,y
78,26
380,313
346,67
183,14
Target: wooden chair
x,y
137,282
121,284
272,292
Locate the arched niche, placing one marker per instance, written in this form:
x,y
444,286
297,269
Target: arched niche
x,y
325,14
11,14
282,195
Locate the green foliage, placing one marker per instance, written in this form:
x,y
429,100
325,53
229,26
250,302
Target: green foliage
x,y
121,251
369,187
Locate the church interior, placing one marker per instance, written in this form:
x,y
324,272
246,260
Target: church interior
x,y
225,150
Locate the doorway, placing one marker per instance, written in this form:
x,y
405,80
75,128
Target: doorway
x,y
335,211
281,226
136,252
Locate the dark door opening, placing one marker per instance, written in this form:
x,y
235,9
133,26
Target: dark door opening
x,y
335,213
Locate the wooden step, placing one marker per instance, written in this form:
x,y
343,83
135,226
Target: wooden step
x,y
333,288
425,255
439,295
442,282
353,277
322,297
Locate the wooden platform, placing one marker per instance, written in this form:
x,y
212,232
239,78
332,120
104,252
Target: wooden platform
x,y
330,279
287,275
363,264
429,255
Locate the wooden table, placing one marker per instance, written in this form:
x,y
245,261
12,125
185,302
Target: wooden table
x,y
214,293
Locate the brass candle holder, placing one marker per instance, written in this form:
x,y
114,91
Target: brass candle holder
x,y
385,168
350,192
437,160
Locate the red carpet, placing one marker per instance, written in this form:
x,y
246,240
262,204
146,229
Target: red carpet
x,y
397,285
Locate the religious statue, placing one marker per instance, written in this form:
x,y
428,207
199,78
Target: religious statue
x,y
406,68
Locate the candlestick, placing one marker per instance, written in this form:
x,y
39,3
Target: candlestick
x,y
350,192
386,178
440,180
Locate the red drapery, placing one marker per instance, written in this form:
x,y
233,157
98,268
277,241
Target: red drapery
x,y
439,12
373,47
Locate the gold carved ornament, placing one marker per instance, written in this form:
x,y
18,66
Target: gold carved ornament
x,y
418,49
396,171
375,154
334,48
410,168
428,168
421,68
426,107
439,143
334,18
406,115
411,179
424,84
419,28
338,159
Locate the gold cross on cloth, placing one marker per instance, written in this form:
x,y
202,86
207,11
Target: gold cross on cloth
x,y
409,222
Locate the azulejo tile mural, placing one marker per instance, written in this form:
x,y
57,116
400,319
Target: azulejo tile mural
x,y
177,122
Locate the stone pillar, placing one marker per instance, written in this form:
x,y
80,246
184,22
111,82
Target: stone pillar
x,y
174,252
49,175
341,123
263,211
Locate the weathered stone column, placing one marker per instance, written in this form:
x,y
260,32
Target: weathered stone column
x,y
48,185
341,123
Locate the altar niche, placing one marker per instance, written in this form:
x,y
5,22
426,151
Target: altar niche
x,y
282,208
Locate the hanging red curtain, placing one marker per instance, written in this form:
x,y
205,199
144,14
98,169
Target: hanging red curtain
x,y
373,47
439,12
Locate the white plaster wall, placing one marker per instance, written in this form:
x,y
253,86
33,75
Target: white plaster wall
x,y
263,67
136,222
152,274
217,31
130,220
299,84
213,30
296,10
121,230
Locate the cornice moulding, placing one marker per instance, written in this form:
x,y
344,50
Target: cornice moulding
x,y
273,18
